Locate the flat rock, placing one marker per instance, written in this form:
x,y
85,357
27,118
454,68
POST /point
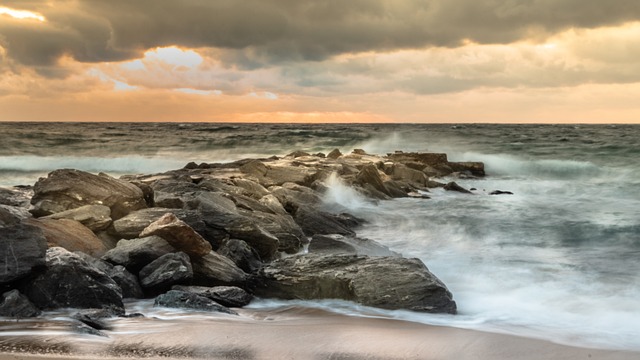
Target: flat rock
x,y
94,217
67,189
71,235
22,251
384,282
70,282
185,300
230,296
179,235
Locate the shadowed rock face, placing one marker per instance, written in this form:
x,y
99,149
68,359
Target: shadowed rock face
x,y
186,300
22,250
165,271
385,282
14,304
69,189
135,254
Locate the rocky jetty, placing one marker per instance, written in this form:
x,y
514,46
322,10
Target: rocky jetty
x,y
212,235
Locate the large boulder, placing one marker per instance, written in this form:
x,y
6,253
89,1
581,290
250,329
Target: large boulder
x,y
128,282
290,236
313,221
68,189
215,270
166,271
384,282
11,215
94,217
71,235
369,178
14,304
179,235
22,250
231,296
338,244
185,300
135,254
70,282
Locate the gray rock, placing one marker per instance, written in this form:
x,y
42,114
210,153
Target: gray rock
x,y
69,282
290,236
338,244
16,305
230,296
130,226
453,186
178,234
68,189
215,270
135,254
334,154
313,221
166,271
94,217
97,263
128,282
243,255
22,250
11,215
184,300
384,282
369,178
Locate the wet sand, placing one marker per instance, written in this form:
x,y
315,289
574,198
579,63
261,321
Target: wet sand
x,y
317,336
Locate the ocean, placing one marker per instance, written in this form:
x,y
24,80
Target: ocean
x,y
558,260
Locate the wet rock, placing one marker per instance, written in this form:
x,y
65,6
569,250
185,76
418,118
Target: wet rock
x,y
130,226
313,221
289,234
14,304
273,204
474,168
127,281
230,296
243,255
452,186
94,217
215,270
404,173
69,282
136,253
384,282
179,235
96,318
251,188
68,189
338,244
71,235
184,300
22,251
298,153
500,192
359,152
17,196
291,196
166,271
369,177
11,215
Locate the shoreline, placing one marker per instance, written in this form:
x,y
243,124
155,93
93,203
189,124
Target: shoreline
x,y
318,335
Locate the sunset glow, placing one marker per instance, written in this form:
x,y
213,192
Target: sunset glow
x,y
508,65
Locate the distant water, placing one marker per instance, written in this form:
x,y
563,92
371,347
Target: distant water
x,y
558,260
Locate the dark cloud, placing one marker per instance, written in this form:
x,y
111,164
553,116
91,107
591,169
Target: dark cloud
x,y
266,31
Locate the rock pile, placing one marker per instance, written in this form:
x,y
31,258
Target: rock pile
x,y
209,236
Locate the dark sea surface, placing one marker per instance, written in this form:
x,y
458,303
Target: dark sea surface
x,y
558,260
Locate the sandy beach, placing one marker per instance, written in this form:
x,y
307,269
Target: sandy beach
x,y
310,335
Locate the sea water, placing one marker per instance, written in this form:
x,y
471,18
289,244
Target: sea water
x,y
557,260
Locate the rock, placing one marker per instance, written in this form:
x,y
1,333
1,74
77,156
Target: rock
x,y
215,269
452,186
251,188
370,177
22,251
243,255
268,175
405,173
184,300
130,226
289,234
298,153
273,204
11,215
230,296
475,168
359,152
128,282
384,282
95,318
334,154
338,244
69,282
166,271
179,235
99,264
16,305
68,189
291,196
94,217
71,235
137,253
313,221
17,196
500,192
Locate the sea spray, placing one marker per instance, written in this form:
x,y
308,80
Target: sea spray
x,y
341,197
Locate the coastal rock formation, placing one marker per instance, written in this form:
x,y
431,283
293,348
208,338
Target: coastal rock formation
x,y
22,251
14,304
243,255
166,271
385,282
135,254
230,296
178,234
94,217
70,234
186,300
69,281
214,269
338,244
67,189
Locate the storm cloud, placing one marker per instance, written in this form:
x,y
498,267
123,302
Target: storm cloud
x,y
264,32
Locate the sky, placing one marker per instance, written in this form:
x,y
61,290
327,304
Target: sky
x,y
438,61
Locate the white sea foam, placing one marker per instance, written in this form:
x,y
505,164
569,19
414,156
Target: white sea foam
x,y
342,196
